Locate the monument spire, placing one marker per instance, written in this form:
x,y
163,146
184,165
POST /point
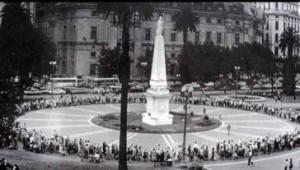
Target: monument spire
x,y
158,72
158,94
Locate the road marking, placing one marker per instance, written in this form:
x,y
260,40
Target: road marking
x,y
58,113
215,110
166,140
59,126
252,121
51,120
171,139
86,110
90,133
240,115
255,160
129,136
259,128
238,133
206,137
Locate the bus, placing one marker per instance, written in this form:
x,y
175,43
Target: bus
x,y
105,81
65,81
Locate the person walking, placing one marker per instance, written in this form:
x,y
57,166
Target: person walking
x,y
286,164
250,158
228,129
291,165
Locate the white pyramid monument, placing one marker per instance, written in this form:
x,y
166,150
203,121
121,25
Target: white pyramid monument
x,y
158,94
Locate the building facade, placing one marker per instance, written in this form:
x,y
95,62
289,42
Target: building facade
x,y
279,16
80,33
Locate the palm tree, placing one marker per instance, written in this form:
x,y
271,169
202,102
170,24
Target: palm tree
x,y
185,20
122,14
289,40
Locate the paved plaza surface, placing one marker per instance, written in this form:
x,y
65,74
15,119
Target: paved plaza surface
x,y
75,122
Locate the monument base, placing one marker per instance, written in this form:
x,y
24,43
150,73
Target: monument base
x,y
157,121
157,107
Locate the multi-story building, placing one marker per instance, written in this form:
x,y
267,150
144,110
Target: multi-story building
x,y
279,16
80,33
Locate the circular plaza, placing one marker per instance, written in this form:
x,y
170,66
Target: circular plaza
x,y
76,122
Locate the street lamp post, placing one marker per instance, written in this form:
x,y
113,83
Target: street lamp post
x,y
178,79
186,91
144,65
237,69
52,64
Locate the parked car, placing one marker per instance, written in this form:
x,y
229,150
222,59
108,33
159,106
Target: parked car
x,y
137,88
75,90
32,91
245,87
55,91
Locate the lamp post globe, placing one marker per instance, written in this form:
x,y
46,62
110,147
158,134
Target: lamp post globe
x,y
236,68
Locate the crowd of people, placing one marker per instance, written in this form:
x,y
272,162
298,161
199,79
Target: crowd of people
x,y
4,165
35,141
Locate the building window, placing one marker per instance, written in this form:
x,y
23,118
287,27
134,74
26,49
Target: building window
x,y
208,35
276,16
65,32
93,54
147,34
208,20
276,38
196,37
219,21
74,32
284,26
276,51
267,38
173,55
237,22
93,69
93,13
173,36
267,26
219,37
93,32
276,25
237,38
276,5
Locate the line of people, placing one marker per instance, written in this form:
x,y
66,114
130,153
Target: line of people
x,y
36,142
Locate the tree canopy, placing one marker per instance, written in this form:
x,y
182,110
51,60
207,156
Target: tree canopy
x,y
109,60
207,61
24,53
185,20
289,40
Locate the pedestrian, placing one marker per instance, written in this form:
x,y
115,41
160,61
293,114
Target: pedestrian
x,y
213,154
286,164
291,164
228,129
15,167
250,158
5,165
